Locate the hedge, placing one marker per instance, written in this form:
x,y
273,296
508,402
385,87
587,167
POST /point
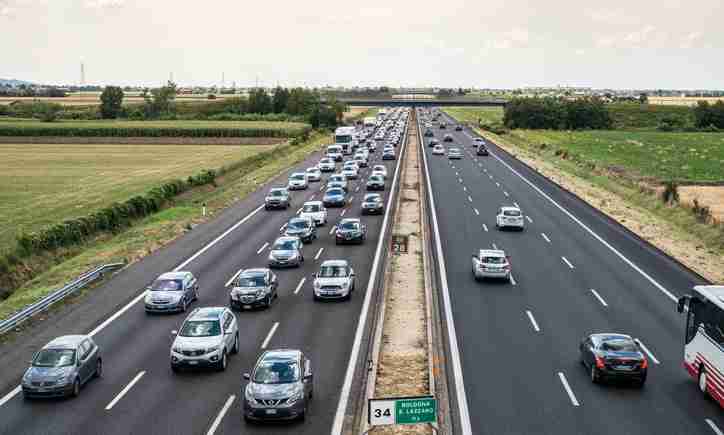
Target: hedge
x,y
150,131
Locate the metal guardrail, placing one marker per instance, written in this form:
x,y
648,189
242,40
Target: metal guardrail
x,y
58,295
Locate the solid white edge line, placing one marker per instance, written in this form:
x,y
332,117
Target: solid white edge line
x,y
316,257
600,299
356,345
270,335
299,286
6,398
228,283
565,260
263,247
462,400
655,283
648,352
568,389
545,237
125,390
713,426
222,413
532,320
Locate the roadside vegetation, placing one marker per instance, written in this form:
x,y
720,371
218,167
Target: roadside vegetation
x,y
47,271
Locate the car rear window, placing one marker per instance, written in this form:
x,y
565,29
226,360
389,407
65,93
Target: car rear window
x,y
493,260
511,213
311,208
619,345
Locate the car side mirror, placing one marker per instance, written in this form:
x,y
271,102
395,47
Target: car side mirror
x,y
247,376
174,332
681,304
308,377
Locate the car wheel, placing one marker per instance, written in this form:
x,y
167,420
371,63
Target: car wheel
x,y
76,388
99,369
174,368
268,302
184,305
235,349
223,362
594,374
641,383
703,381
196,294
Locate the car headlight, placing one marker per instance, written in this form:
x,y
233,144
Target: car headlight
x,y
65,379
147,299
249,397
260,293
212,349
177,349
317,285
297,395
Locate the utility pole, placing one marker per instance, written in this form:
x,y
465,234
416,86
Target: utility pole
x,y
82,74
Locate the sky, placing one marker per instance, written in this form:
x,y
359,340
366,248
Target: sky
x,y
643,44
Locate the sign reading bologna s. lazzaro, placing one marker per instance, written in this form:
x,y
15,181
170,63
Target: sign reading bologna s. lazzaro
x,y
402,410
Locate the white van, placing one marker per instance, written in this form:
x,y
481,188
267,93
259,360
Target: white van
x,y
345,137
334,152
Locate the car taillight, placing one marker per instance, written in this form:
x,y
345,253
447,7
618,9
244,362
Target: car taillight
x,y
599,362
644,363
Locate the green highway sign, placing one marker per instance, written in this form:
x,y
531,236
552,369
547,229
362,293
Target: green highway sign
x,y
402,410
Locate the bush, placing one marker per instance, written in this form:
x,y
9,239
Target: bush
x,y
556,114
701,212
670,195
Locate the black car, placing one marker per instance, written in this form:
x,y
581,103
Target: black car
x,y
428,133
447,138
614,356
302,227
458,127
433,142
253,288
350,230
482,151
443,126
388,155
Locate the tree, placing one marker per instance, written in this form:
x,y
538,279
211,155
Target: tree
x,y
159,101
111,102
280,99
644,98
259,101
338,108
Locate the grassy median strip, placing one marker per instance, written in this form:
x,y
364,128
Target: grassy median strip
x,y
157,230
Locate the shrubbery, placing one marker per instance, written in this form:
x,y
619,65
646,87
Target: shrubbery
x,y
709,117
556,114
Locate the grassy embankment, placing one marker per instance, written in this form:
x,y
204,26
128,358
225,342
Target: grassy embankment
x,y
153,232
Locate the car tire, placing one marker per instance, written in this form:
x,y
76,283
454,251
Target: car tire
x,y
595,377
235,348
174,368
184,306
196,294
76,388
268,302
640,384
99,369
223,362
702,381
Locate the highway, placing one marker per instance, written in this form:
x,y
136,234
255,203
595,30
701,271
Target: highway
x,y
575,272
138,392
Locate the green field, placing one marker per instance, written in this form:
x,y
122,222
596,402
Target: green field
x,y
489,115
15,127
43,184
648,116
663,156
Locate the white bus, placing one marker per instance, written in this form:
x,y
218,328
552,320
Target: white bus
x,y
704,338
346,138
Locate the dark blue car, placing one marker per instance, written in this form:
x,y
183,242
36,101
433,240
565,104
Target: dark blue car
x,y
334,197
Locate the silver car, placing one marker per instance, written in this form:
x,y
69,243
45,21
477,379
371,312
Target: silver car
x,y
206,338
509,217
280,386
278,197
327,165
335,280
286,252
298,181
62,366
491,263
314,174
254,288
171,292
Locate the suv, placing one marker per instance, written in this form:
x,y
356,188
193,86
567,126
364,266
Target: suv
x,y
314,210
302,227
509,217
62,366
286,251
372,203
254,288
350,230
334,280
298,181
172,291
280,386
337,180
491,263
278,197
205,339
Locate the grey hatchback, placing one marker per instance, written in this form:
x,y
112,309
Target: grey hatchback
x,y
62,366
280,387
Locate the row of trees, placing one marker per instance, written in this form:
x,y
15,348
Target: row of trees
x,y
709,116
556,114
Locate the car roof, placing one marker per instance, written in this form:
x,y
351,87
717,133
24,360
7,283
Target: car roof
x,y
207,313
370,195
509,208
277,188
254,271
492,253
286,239
65,342
604,336
345,220
335,263
319,203
174,275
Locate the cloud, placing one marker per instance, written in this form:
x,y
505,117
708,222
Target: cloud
x,y
647,36
689,40
515,38
102,4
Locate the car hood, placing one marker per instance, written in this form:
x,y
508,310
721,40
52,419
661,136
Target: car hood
x,y
371,204
311,214
333,196
47,373
297,231
331,281
193,343
272,391
247,290
282,253
165,295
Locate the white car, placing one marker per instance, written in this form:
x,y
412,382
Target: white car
x,y
206,338
478,141
327,165
316,211
298,181
335,280
491,263
379,169
510,217
337,180
314,174
371,146
350,172
438,150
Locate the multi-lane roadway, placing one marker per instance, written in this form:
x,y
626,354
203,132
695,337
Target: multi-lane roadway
x,y
574,272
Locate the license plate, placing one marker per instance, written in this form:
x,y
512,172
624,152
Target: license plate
x,y
246,307
271,411
193,363
626,368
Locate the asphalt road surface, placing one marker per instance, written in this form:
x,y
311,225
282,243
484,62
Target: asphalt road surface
x,y
573,275
136,346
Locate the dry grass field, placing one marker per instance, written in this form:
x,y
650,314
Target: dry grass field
x,y
41,184
90,99
683,101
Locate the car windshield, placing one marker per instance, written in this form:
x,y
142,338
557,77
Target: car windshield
x,y
619,345
299,224
333,272
297,177
373,198
200,328
325,161
312,170
494,260
349,225
165,285
54,358
454,150
284,245
334,192
336,178
251,281
511,213
276,193
276,372
375,178
311,208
